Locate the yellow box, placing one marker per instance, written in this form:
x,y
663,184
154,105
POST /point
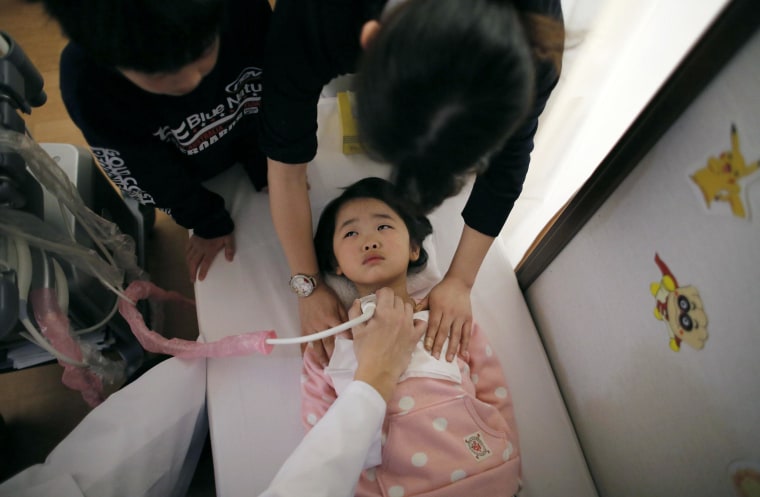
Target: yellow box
x,y
349,131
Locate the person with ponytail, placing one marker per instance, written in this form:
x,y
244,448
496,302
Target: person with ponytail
x,y
445,89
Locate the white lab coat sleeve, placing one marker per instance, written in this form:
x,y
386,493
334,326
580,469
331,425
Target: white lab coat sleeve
x,y
143,441
330,458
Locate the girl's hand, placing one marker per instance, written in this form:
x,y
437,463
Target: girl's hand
x,y
319,311
202,251
450,317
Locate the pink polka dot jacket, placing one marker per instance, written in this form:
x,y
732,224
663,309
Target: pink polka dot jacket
x,y
441,437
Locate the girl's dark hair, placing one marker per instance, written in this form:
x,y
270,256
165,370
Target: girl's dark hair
x,y
149,36
417,224
442,86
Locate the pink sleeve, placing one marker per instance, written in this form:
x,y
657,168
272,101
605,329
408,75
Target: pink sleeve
x,y
491,384
317,393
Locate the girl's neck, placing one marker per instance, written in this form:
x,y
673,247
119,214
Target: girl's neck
x,y
399,289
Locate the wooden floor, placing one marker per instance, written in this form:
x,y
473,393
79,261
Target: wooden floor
x,y
37,409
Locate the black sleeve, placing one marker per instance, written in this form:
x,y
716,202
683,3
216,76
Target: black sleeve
x,y
152,174
496,190
309,43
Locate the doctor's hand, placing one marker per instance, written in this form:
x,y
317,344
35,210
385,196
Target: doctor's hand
x,y
319,311
384,344
201,252
450,317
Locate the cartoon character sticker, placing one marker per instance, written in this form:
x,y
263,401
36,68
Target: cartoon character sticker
x,y
745,477
681,308
719,179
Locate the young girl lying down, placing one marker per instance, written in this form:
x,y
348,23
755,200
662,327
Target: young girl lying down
x,y
449,429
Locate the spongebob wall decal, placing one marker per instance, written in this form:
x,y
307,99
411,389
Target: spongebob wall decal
x,y
681,308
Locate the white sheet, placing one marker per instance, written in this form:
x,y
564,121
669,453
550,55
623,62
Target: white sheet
x,y
254,402
143,441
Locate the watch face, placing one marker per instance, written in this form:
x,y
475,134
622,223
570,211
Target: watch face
x,y
302,285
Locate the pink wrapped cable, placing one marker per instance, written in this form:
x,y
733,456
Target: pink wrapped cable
x,y
235,345
55,326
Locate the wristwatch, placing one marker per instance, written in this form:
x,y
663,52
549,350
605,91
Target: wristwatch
x,y
303,284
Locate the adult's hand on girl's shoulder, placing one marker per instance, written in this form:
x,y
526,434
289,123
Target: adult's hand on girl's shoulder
x,y
450,317
201,252
320,311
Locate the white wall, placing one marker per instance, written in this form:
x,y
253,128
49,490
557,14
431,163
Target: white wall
x,y
625,51
653,422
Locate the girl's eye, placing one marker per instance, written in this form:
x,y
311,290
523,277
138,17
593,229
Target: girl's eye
x,y
348,234
384,227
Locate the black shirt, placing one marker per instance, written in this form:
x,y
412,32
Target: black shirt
x,y
158,149
312,41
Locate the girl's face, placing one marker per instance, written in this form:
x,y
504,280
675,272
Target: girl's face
x,y
371,244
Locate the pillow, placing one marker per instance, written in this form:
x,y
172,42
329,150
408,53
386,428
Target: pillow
x,y
418,284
